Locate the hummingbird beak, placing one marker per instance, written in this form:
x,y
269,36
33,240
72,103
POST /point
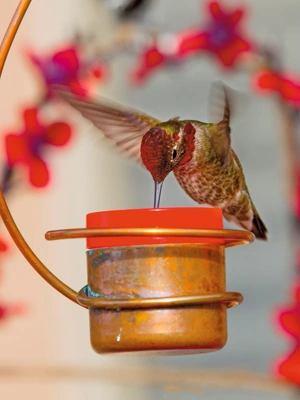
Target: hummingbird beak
x,y
157,193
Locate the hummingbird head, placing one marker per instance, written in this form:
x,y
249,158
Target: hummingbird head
x,y
166,146
159,152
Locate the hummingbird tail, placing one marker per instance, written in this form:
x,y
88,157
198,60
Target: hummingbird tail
x,y
253,223
258,228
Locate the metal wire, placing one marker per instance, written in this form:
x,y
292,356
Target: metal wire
x,y
231,237
11,31
230,299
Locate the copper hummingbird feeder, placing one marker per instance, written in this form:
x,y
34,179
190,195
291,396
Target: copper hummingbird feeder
x,y
156,281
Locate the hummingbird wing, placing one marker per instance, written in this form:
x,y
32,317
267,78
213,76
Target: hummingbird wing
x,y
220,132
124,126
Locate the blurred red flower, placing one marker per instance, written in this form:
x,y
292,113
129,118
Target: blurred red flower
x,y
152,58
289,368
289,320
3,246
65,67
280,83
289,317
222,36
28,147
10,310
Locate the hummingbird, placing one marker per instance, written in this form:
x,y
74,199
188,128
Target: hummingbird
x,y
198,153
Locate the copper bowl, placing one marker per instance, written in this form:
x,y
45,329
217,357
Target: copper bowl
x,y
192,275
165,292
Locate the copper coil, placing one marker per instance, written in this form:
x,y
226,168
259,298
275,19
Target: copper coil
x,y
231,237
230,299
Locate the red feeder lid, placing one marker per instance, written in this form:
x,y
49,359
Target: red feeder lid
x,y
184,218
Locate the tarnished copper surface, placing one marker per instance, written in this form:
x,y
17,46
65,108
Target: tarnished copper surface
x,y
147,272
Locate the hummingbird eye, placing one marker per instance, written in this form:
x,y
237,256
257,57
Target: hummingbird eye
x,y
174,155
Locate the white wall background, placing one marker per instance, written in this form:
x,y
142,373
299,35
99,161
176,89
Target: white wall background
x,y
89,177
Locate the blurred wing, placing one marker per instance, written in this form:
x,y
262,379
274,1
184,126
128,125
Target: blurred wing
x,y
124,126
220,110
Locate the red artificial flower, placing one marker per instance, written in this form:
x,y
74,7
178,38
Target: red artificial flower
x,y
152,58
163,52
289,368
279,83
10,310
3,246
221,37
289,320
65,67
28,147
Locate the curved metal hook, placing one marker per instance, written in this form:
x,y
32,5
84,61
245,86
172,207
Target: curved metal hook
x,y
11,31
